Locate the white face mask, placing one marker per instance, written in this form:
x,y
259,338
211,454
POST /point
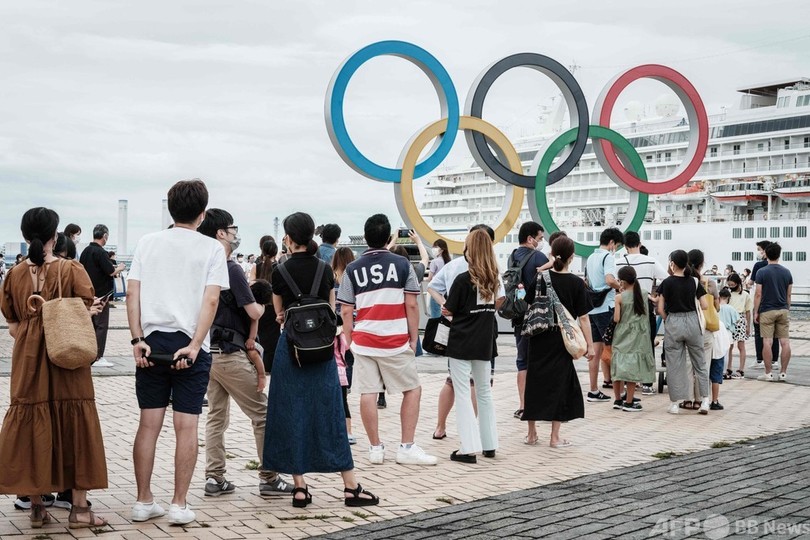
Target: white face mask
x,y
77,239
436,252
541,245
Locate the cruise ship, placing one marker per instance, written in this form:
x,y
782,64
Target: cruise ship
x,y
753,184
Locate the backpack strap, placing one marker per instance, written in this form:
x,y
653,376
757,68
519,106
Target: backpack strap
x,y
289,280
316,284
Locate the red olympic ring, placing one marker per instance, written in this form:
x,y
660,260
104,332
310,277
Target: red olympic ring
x,y
698,126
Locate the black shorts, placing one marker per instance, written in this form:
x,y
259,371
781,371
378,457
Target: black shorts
x,y
599,323
186,387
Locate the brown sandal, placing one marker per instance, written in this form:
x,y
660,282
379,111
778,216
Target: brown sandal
x,y
39,516
76,524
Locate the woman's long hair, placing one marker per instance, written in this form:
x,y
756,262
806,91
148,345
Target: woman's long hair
x,y
735,278
628,275
562,248
38,226
442,245
696,260
265,264
340,260
482,264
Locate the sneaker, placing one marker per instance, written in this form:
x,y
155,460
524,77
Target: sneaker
x,y
277,486
759,365
24,503
768,377
635,399
352,439
631,407
782,377
647,390
381,404
64,499
181,515
146,511
215,489
617,404
597,397
674,408
715,406
607,384
376,454
704,406
102,362
414,456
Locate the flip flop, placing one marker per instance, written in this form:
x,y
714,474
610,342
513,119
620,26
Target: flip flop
x,y
532,442
685,405
562,444
439,438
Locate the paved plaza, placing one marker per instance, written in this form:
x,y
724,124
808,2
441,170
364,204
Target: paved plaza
x,y
612,482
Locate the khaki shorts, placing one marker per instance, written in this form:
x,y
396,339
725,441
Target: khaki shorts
x,y
774,324
394,374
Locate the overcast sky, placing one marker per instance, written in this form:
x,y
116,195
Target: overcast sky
x,y
105,100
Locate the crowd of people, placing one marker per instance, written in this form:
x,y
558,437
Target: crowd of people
x,y
316,321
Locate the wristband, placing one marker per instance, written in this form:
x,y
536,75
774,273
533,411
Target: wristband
x,y
137,340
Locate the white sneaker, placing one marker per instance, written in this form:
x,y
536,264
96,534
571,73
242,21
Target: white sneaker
x,y
414,456
103,362
674,408
376,454
146,511
704,406
766,377
181,515
782,377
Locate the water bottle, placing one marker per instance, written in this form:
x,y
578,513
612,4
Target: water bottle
x,y
521,292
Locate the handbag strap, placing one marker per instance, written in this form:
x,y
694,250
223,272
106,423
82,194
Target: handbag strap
x,y
59,277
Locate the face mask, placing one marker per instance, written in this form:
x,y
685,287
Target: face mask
x,y
77,240
235,242
436,252
541,245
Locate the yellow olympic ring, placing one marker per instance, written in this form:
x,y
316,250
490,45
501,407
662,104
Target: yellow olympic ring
x,y
403,191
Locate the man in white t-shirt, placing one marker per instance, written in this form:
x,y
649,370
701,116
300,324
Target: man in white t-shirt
x,y
173,290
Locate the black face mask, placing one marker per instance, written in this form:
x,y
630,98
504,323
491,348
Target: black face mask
x,y
465,255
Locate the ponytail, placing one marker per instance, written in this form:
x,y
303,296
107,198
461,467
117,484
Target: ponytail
x,y
562,249
36,252
312,247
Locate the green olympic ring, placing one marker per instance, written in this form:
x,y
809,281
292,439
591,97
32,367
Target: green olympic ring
x,y
627,154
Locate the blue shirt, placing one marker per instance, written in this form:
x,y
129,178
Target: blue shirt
x,y
774,280
596,277
728,316
326,252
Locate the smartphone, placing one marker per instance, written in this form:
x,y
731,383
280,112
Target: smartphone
x,y
106,298
403,233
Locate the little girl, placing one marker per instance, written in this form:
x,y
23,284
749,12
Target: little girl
x,y
632,359
741,301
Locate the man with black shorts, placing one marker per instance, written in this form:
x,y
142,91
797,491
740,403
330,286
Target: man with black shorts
x,y
172,295
600,271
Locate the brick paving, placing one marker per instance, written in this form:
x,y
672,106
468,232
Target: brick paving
x,y
410,491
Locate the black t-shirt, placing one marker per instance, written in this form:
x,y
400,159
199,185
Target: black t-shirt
x,y
529,273
99,267
230,313
571,291
757,266
679,293
472,332
302,268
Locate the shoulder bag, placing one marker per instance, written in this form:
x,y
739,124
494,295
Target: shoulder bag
x,y
701,316
573,338
437,332
540,315
711,315
597,297
70,340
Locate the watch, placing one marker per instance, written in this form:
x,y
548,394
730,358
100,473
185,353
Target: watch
x,y
138,340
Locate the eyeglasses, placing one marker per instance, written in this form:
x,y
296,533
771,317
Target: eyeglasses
x,y
234,227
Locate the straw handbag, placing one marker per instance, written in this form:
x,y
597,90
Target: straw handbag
x,y
70,339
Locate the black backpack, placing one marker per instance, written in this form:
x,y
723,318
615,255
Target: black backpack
x,y
514,308
597,297
309,322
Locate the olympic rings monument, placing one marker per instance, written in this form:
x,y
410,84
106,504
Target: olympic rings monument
x,y
614,153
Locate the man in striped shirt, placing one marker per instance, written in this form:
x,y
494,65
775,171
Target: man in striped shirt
x,y
382,287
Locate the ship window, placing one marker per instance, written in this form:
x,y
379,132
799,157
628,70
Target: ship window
x,y
787,232
736,256
787,144
668,208
803,101
713,151
774,232
760,147
801,256
801,232
749,232
787,255
749,256
807,142
647,235
762,232
736,233
667,234
657,235
590,237
649,158
736,149
667,156
580,236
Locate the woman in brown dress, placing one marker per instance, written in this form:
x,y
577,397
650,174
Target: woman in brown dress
x,y
51,437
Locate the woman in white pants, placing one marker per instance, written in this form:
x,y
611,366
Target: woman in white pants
x,y
472,302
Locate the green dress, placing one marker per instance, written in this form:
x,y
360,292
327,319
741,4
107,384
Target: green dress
x,y
632,359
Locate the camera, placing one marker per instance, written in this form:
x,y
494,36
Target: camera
x,y
403,233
